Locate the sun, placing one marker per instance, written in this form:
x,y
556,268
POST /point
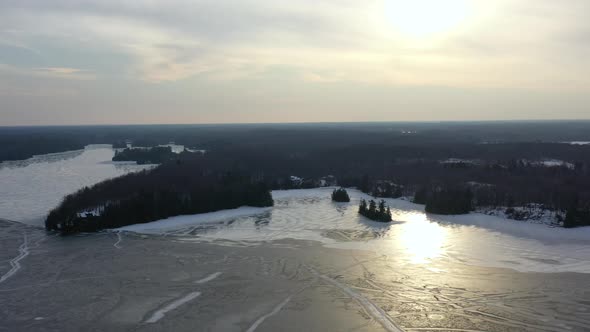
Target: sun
x,y
423,18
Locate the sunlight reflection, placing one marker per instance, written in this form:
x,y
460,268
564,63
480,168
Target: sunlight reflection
x,y
421,239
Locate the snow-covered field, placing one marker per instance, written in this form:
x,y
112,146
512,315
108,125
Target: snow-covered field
x,y
29,189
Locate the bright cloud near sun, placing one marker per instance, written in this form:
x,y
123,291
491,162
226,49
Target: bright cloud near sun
x,y
313,54
422,18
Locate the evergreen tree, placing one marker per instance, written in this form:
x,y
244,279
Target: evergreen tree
x,y
382,210
340,195
372,212
363,207
449,201
571,218
397,193
365,184
421,196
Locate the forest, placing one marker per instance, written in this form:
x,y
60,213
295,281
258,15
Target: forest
x,y
153,155
496,164
175,188
493,140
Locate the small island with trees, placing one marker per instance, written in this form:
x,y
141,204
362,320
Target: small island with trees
x,y
340,195
371,211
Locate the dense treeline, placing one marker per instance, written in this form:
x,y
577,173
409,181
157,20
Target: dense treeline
x,y
154,155
496,183
449,201
576,216
340,195
432,140
500,163
187,187
371,211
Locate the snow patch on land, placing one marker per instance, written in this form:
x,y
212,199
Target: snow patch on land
x,y
555,163
455,161
532,213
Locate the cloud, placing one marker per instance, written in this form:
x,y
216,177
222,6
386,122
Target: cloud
x,y
49,72
519,43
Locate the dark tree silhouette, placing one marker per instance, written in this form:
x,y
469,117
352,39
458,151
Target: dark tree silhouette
x,y
449,201
340,195
172,189
381,213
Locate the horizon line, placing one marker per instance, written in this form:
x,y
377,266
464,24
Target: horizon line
x,y
295,123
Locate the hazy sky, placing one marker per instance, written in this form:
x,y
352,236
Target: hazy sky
x,y
181,61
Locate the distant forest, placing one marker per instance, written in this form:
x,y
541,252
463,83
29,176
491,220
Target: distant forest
x,y
450,167
427,140
154,155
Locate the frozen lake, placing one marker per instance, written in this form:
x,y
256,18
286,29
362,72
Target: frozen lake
x,y
305,264
414,236
31,188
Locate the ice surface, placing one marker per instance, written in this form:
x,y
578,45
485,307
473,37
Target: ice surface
x,y
416,237
29,189
182,222
172,306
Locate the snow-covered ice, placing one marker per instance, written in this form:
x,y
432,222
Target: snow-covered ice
x,y
31,188
182,222
414,236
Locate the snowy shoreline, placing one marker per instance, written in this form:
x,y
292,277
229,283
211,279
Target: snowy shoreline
x,y
494,219
183,221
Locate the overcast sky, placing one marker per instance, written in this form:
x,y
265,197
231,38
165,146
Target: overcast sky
x,y
219,61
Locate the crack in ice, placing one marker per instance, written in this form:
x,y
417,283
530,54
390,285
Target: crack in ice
x,y
278,308
116,245
15,262
272,313
375,311
159,314
208,278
